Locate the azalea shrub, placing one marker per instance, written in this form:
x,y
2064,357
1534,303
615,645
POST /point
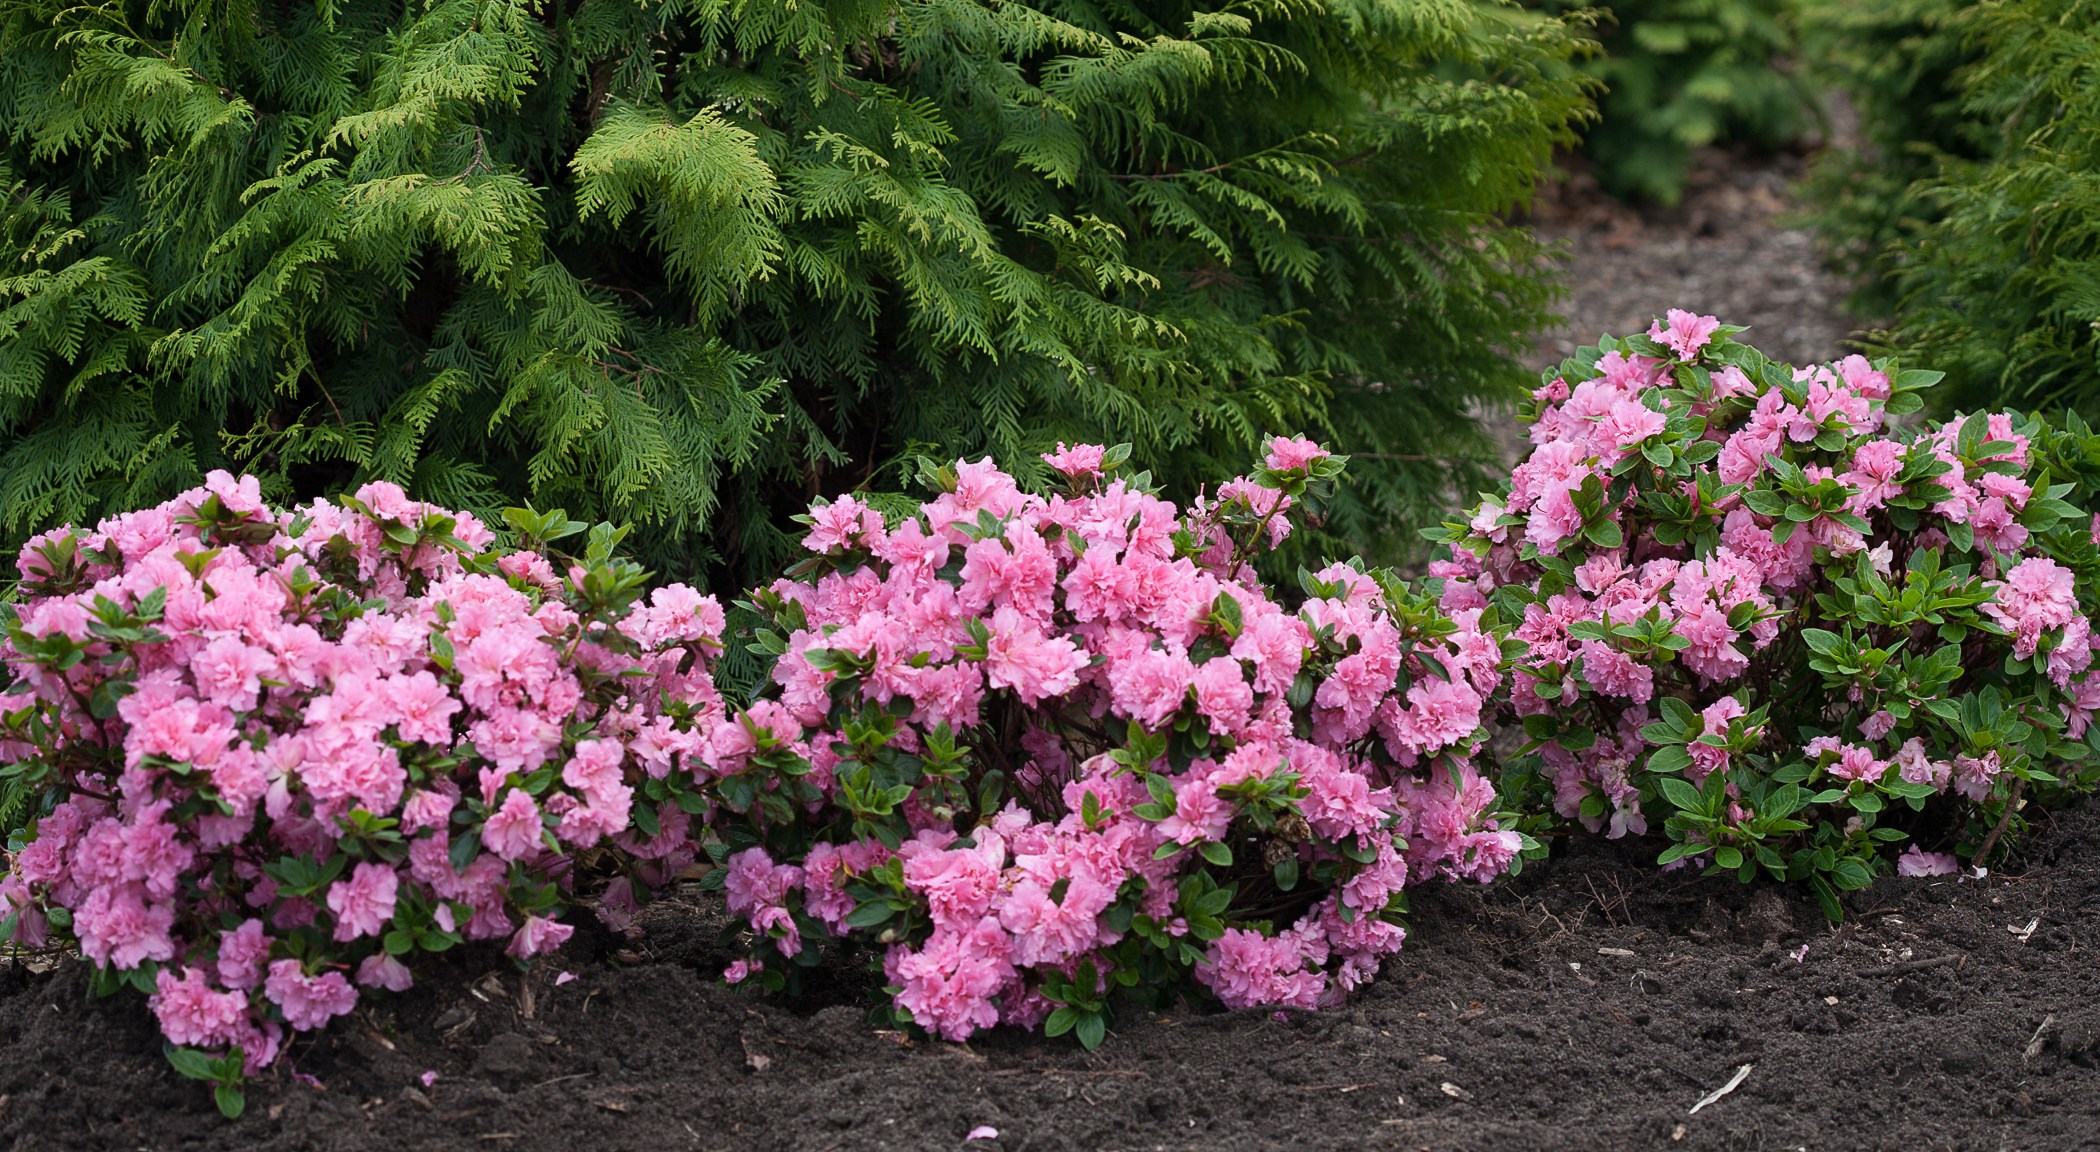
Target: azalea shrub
x,y
1032,750
1768,614
1040,749
282,754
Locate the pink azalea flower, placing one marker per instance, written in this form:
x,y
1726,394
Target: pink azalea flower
x,y
1151,686
192,1014
1288,453
1686,332
1857,763
308,1002
1078,461
380,970
538,935
365,902
119,929
1915,862
1246,970
241,955
514,830
1199,813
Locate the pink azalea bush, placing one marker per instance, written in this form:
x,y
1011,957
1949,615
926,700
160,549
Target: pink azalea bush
x,y
1034,749
1762,614
1031,749
283,753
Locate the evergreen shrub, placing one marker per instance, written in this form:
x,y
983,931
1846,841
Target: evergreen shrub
x,y
1999,286
1899,63
687,265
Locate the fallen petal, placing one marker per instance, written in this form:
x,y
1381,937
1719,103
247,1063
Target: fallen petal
x,y
983,1132
564,978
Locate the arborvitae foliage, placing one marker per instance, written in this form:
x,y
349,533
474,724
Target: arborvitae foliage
x,y
686,264
1898,62
2002,289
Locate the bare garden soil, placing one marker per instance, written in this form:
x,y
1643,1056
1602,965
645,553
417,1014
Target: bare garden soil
x,y
1733,247
1586,1004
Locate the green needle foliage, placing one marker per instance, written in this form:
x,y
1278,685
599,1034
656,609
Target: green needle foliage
x,y
1897,60
687,264
2001,288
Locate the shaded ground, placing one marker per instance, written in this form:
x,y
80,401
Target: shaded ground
x,y
1721,251
1724,251
1587,1004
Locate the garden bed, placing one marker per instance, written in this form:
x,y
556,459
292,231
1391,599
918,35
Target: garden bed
x,y
1681,982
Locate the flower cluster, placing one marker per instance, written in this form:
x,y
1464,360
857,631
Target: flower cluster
x,y
1038,748
281,753
1759,609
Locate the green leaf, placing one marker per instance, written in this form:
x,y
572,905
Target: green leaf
x,y
1827,896
870,914
1216,853
191,1063
1286,873
1671,758
1851,874
1821,641
1681,793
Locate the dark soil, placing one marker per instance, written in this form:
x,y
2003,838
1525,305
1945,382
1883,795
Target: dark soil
x,y
1726,250
1586,1004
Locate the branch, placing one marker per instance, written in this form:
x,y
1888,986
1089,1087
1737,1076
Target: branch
x,y
2012,802
481,152
1210,171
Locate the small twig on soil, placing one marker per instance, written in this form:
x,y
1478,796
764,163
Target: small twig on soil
x,y
1741,1074
1353,1087
1911,966
2012,804
1066,1072
2034,1044
1602,906
559,1079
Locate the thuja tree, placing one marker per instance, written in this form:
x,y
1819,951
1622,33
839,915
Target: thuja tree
x,y
1998,289
1900,63
689,264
